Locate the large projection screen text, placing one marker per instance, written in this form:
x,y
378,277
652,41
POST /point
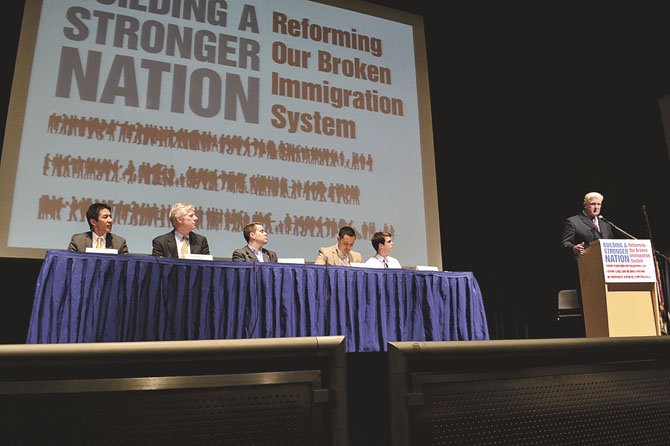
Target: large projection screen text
x,y
304,116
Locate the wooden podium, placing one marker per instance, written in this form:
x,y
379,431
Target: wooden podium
x,y
626,304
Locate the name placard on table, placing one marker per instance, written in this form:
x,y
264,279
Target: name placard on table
x,y
291,260
102,251
199,257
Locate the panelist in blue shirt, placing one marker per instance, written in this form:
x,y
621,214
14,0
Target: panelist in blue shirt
x,y
256,237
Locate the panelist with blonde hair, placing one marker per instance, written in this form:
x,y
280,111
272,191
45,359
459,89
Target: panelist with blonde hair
x,y
181,241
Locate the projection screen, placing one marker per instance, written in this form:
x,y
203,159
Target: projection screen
x,y
304,116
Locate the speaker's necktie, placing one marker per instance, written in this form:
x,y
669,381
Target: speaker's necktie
x,y
595,223
184,247
386,265
98,244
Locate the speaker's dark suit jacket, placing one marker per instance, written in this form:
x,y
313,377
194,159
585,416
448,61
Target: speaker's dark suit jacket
x,y
79,242
166,246
247,255
580,228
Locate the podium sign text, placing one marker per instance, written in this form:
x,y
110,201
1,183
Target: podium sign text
x,y
626,261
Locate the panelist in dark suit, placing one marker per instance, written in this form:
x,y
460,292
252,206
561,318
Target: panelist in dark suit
x,y
256,237
99,217
181,240
586,226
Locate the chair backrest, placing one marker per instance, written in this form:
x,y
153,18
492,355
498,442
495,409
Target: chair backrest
x,y
568,300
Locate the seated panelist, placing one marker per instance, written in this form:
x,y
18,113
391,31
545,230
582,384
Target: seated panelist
x,y
256,237
341,253
99,217
181,241
382,242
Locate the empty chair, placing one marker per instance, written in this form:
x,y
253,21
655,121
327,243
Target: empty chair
x,y
568,304
569,315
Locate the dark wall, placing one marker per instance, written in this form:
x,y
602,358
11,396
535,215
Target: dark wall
x,y
531,110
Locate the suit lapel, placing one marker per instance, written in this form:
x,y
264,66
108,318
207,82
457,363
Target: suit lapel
x,y
193,243
172,245
589,223
592,227
250,254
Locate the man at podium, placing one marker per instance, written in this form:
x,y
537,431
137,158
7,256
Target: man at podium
x,y
618,296
586,226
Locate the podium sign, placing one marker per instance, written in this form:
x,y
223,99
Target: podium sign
x,y
627,261
619,295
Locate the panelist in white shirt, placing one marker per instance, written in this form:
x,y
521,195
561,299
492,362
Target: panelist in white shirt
x,y
99,217
382,242
256,237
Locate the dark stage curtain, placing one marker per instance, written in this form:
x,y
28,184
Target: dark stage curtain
x,y
663,262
